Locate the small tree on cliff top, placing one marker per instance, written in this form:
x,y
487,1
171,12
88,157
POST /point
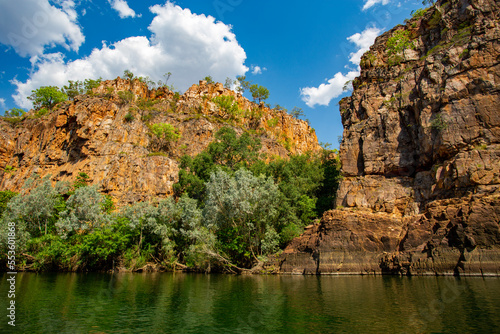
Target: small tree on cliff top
x,y
47,97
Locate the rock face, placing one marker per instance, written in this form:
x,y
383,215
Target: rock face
x,y
106,135
420,154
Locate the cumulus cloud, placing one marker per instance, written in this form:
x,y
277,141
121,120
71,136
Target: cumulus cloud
x,y
363,41
258,70
371,3
189,46
2,104
122,7
323,94
31,26
334,87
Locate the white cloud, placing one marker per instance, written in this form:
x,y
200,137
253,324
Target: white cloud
x,y
363,41
31,26
326,92
2,104
258,70
371,3
323,94
188,45
122,8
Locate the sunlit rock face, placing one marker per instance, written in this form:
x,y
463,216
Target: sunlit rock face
x,y
107,136
420,154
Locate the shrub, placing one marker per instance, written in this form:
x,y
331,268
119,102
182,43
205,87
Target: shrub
x,y
227,104
41,112
84,212
34,211
419,12
397,44
165,131
129,117
273,122
163,135
14,112
5,197
126,96
438,123
241,209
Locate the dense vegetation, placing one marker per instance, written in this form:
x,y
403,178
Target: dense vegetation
x,y
232,208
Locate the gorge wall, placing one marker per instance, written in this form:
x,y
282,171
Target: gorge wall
x,y
420,154
106,136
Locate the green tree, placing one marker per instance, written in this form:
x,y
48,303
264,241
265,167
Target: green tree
x,y
243,84
229,83
297,112
83,212
240,209
153,225
128,75
209,79
72,89
228,151
259,93
163,134
47,97
90,84
35,210
14,112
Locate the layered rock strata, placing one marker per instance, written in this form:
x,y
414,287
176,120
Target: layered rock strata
x,y
420,154
106,136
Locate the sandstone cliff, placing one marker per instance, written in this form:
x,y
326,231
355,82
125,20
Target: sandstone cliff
x,y
420,154
106,135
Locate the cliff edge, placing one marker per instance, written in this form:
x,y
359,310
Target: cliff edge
x,y
420,154
108,135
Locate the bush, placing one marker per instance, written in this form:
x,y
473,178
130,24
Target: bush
x,y
163,135
165,131
228,105
240,209
129,117
126,96
84,212
5,197
273,122
47,97
439,123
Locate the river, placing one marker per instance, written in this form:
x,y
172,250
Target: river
x,y
196,303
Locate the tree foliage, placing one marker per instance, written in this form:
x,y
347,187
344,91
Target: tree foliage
x,y
231,209
397,44
163,134
240,209
47,97
75,88
14,112
229,152
83,212
259,93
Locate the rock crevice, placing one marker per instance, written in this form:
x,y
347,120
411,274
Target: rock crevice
x,y
420,154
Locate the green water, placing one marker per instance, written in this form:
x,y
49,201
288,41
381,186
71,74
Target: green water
x,y
191,303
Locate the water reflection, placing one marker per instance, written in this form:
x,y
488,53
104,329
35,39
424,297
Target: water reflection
x,y
189,303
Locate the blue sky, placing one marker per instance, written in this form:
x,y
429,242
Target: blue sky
x,y
303,52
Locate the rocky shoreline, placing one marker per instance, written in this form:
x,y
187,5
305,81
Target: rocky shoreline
x,y
420,155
